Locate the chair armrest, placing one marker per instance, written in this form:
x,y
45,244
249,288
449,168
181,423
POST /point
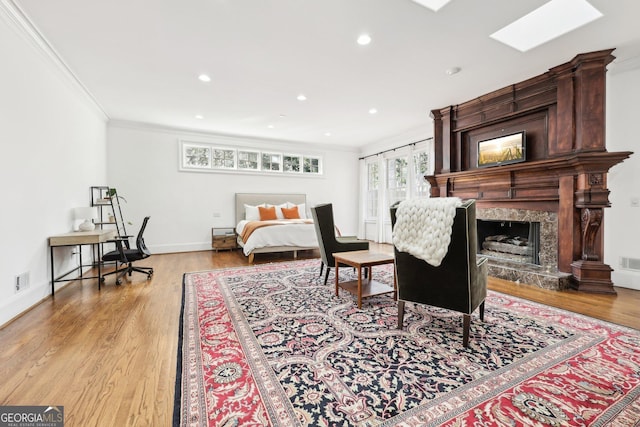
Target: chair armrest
x,y
482,272
351,245
347,239
121,239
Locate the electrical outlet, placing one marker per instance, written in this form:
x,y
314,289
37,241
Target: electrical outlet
x,y
22,282
635,202
216,214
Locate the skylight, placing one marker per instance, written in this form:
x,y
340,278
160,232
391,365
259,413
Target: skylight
x,y
546,23
434,5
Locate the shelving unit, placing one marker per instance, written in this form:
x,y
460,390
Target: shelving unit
x,y
110,217
109,211
99,199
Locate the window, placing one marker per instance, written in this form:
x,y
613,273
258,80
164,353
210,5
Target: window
x,y
249,160
397,172
291,163
203,157
271,162
311,165
222,158
196,156
420,168
390,177
373,182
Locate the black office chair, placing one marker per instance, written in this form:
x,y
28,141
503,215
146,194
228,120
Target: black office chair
x,y
327,240
124,255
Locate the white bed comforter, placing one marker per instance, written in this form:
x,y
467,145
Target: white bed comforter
x,y
288,234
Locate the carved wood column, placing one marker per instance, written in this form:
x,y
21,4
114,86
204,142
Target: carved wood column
x,y
590,273
446,151
439,156
568,233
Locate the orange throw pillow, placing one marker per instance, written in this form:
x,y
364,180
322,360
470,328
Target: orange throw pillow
x,y
291,213
267,214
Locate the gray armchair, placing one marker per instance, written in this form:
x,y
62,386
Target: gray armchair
x,y
459,283
327,240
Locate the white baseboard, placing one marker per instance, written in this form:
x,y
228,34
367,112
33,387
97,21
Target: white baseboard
x,y
626,279
21,302
180,247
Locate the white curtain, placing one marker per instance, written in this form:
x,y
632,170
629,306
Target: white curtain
x,y
362,211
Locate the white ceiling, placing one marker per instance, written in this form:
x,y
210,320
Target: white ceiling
x,y
140,60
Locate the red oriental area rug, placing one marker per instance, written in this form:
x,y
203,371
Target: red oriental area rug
x,y
269,345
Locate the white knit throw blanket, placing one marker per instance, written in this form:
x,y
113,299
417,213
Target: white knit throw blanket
x,y
423,227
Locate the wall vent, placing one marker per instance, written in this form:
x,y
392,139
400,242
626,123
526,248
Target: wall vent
x,y
630,263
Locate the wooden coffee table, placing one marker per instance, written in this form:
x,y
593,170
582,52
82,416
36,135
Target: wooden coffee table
x,y
367,287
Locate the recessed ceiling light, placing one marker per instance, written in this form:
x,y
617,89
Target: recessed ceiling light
x,y
373,110
204,78
301,97
364,39
199,116
434,5
549,21
282,116
327,134
451,71
270,126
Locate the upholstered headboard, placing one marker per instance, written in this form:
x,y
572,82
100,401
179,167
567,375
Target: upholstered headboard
x,y
254,199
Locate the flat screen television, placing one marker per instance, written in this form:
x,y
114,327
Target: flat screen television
x,y
502,150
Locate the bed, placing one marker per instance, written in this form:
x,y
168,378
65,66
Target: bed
x,y
284,235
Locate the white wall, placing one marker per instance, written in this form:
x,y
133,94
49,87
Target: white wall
x,y
622,221
143,167
52,148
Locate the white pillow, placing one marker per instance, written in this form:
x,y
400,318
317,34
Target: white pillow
x,y
279,213
302,209
251,213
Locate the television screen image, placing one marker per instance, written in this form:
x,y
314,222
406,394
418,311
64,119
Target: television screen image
x,y
502,150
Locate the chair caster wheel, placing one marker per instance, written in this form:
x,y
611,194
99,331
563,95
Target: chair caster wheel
x,y
118,282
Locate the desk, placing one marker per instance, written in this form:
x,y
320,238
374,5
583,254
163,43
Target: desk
x,y
368,287
79,238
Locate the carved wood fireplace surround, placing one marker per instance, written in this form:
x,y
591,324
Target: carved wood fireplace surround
x,y
563,114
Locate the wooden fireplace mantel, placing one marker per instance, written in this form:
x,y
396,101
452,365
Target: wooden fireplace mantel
x,y
563,115
535,183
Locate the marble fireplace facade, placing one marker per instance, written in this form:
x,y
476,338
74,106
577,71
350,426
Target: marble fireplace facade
x,y
545,274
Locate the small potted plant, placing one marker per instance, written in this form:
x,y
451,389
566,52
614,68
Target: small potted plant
x,y
113,193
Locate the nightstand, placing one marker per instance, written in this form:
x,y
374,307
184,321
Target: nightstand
x,y
224,238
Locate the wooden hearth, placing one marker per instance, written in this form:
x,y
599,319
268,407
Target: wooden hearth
x,y
563,115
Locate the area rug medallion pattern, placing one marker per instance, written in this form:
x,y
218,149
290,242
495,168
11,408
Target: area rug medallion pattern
x,y
270,345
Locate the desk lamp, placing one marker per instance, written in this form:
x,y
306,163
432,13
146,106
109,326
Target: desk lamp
x,y
86,214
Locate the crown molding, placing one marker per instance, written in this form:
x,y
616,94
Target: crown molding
x,y
20,22
234,139
620,66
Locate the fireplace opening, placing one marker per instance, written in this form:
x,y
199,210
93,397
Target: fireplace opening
x,y
517,241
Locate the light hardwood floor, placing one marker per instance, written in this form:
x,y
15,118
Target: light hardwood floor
x,y
109,356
